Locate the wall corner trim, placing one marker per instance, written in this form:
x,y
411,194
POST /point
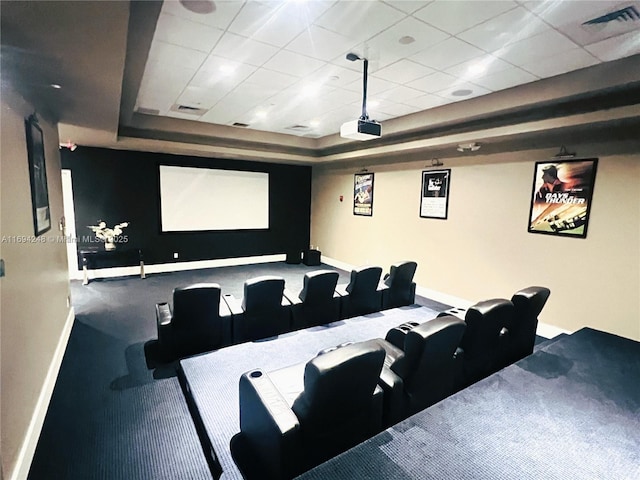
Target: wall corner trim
x,y
28,448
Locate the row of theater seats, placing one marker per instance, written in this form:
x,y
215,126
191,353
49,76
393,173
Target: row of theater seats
x,y
203,319
295,418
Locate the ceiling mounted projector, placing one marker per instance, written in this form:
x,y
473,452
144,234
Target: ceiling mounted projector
x,y
362,128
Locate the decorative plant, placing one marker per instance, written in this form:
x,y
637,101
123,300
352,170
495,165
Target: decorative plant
x,y
105,233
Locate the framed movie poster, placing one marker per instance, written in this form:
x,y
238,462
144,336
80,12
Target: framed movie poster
x,y
561,197
38,177
434,197
363,194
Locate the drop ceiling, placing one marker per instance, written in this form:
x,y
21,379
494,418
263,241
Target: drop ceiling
x,y
269,80
281,66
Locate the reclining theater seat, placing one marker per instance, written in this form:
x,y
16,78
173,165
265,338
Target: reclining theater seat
x,y
521,331
422,371
481,342
317,303
297,417
200,322
399,287
363,294
264,311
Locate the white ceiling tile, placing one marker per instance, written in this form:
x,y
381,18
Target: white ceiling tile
x,y
535,48
400,94
433,83
243,49
221,72
392,109
507,78
478,67
335,76
220,17
360,20
171,56
504,29
276,23
270,80
454,16
293,63
616,47
562,63
446,54
185,33
318,42
429,101
407,6
403,71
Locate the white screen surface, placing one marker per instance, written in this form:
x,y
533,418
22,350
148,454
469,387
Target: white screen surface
x,y
202,199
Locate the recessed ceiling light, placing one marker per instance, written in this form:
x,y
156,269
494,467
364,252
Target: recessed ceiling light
x,y
199,6
406,40
227,69
463,92
468,147
56,86
314,123
261,114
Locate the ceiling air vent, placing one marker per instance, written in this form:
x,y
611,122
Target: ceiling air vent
x,y
298,128
240,124
629,13
188,109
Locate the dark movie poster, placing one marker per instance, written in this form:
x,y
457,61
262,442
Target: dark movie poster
x,y
434,199
363,194
561,197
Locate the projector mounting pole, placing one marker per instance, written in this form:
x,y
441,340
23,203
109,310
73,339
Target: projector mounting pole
x,y
365,115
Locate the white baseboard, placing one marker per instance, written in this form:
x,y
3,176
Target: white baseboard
x,y
549,331
176,267
28,448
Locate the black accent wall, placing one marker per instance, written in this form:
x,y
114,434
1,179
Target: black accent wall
x,y
123,186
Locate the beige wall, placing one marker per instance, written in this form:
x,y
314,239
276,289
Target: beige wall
x,y
484,250
34,292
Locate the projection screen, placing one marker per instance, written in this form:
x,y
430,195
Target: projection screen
x,y
205,199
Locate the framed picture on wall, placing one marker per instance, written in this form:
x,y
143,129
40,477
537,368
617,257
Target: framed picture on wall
x,y
434,196
561,197
38,177
363,194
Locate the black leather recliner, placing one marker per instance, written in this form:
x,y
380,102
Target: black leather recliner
x,y
520,333
263,312
483,338
298,417
363,294
200,322
399,287
317,303
421,365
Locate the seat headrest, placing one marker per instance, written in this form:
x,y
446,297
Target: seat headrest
x,y
341,381
319,285
263,292
364,278
530,301
401,273
440,335
196,302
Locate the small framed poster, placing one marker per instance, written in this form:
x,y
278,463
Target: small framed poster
x,y
38,177
561,197
434,197
363,194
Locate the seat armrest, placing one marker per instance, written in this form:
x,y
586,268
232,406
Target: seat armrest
x,y
163,314
234,304
393,388
292,297
342,290
396,335
285,302
269,425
